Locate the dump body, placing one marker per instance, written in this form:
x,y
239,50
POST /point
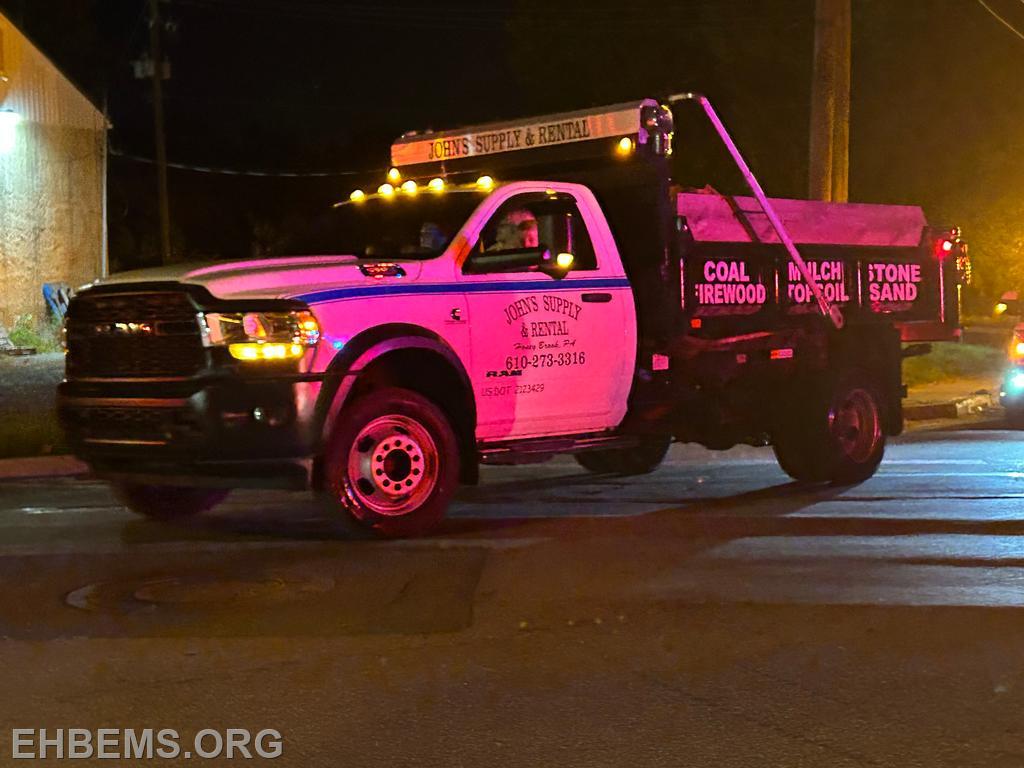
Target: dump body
x,y
878,263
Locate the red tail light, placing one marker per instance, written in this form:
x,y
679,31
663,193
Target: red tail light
x,y
1017,345
947,244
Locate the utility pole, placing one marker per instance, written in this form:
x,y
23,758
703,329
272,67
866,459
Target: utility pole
x,y
830,102
158,130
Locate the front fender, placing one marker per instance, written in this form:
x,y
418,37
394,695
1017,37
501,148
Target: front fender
x,y
360,352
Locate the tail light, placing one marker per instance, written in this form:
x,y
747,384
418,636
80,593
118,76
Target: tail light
x,y
1017,345
950,245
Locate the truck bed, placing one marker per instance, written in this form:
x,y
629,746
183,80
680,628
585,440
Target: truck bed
x,y
877,262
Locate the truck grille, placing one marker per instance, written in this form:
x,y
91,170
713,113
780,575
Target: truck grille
x,y
133,335
154,426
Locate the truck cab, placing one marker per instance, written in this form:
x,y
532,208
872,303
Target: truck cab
x,y
507,293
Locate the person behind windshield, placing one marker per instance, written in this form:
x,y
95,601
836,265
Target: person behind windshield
x,y
432,240
517,229
432,237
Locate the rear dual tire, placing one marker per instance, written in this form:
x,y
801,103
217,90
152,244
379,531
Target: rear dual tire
x,y
833,433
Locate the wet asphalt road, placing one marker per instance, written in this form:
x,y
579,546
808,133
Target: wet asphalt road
x,y
710,614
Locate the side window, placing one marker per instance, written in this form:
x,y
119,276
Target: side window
x,y
534,232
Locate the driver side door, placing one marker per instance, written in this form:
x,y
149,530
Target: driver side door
x,y
547,325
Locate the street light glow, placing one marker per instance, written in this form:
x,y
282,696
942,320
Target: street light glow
x,y
8,130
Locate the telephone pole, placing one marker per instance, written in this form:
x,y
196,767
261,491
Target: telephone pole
x,y
830,102
158,130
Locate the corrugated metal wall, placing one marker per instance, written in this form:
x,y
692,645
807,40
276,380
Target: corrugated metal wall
x,y
51,182
36,89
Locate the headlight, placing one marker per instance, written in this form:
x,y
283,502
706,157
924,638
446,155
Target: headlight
x,y
262,335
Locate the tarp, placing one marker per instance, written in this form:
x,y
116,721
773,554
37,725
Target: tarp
x,y
716,218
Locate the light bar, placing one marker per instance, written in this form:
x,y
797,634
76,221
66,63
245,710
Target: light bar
x,y
412,188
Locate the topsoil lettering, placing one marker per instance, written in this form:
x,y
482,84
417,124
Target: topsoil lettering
x,y
827,274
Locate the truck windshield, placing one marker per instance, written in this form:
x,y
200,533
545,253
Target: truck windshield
x,y
400,227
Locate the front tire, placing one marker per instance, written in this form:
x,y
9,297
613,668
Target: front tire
x,y
167,502
835,436
641,460
392,464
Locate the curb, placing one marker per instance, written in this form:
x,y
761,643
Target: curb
x,y
41,466
952,409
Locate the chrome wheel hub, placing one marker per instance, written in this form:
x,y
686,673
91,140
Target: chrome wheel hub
x,y
856,425
393,465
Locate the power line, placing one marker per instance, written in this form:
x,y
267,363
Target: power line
x,y
1001,20
478,19
238,172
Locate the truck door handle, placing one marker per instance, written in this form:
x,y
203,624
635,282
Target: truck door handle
x,y
597,298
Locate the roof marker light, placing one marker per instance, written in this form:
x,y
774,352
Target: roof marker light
x,y
436,184
386,190
625,146
410,188
357,196
394,175
485,183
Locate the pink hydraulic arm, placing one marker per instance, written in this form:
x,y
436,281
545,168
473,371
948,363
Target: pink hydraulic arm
x,y
831,311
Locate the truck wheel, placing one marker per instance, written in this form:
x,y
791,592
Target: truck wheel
x,y
838,438
167,502
640,460
393,463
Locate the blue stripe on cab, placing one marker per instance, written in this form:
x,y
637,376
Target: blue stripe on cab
x,y
399,289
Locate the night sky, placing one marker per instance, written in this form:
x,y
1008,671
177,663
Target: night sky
x,y
324,86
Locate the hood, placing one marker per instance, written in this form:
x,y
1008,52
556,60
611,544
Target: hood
x,y
276,278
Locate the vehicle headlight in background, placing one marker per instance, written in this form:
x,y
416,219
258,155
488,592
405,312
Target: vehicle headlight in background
x,y
262,335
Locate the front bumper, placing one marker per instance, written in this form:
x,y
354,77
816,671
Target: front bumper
x,y
228,430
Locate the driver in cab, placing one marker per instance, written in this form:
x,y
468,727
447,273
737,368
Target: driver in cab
x,y
517,230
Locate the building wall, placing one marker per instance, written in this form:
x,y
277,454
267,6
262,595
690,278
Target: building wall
x,y
51,182
51,214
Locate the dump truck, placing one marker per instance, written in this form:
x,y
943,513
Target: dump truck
x,y
507,293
